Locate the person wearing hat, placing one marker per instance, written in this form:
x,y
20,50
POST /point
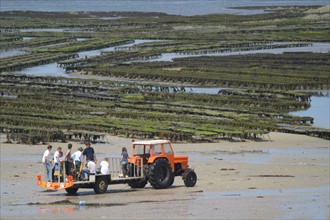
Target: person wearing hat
x,y
76,157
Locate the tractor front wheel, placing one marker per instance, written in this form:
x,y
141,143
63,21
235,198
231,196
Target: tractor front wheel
x,y
189,178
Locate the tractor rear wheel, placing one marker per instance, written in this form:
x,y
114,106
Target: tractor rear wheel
x,y
138,183
101,185
172,181
71,191
160,174
189,178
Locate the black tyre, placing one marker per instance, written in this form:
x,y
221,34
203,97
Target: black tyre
x,y
160,174
172,180
71,191
138,183
189,178
101,185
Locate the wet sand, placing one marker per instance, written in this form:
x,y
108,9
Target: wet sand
x,y
286,177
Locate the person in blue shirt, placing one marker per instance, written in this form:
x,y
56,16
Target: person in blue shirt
x,y
89,152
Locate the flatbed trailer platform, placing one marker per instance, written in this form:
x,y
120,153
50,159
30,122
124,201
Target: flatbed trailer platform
x,y
98,182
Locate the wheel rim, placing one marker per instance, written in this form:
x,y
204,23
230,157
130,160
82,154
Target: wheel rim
x,y
102,185
192,179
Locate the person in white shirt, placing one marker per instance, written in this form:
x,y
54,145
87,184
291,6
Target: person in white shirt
x,y
76,157
57,160
47,161
104,166
89,170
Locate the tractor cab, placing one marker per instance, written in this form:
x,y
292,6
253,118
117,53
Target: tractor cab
x,y
149,151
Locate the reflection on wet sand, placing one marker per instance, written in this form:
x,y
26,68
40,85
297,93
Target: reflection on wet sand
x,y
55,210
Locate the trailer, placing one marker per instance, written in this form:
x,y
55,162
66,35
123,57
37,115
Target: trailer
x,y
99,182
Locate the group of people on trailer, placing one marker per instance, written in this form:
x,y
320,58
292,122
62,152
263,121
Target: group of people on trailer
x,y
74,162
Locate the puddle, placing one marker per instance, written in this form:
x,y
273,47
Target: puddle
x,y
27,38
204,90
319,110
12,53
103,18
67,202
81,38
53,30
186,89
18,52
56,210
7,96
53,69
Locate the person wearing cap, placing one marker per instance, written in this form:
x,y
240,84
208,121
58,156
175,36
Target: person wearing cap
x,y
76,157
89,152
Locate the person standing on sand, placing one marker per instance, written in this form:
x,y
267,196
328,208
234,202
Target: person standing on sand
x,y
89,152
47,161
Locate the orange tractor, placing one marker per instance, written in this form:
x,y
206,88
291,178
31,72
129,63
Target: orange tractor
x,y
159,165
151,161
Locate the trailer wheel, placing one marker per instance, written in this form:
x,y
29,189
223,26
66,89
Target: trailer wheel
x,y
101,185
160,174
189,178
71,191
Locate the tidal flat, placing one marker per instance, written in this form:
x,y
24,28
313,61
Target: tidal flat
x,y
286,178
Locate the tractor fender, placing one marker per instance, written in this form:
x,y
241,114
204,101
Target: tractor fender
x,y
154,158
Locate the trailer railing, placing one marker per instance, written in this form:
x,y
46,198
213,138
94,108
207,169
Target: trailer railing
x,y
116,171
115,167
137,169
